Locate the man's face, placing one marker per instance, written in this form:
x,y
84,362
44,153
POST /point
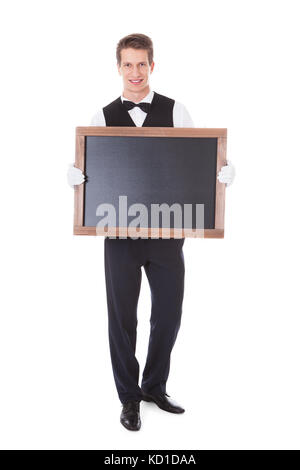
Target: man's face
x,y
135,69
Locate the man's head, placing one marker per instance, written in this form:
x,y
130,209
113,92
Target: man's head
x,y
135,62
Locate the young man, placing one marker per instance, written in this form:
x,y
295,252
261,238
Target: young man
x,y
162,259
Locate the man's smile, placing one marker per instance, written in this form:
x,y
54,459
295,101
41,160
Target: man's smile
x,y
136,82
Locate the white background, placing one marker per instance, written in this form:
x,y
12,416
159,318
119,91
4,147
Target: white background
x,y
235,365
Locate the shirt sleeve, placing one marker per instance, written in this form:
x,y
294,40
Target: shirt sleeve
x,y
181,116
98,119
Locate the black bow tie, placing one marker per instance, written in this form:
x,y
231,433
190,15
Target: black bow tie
x,y
143,106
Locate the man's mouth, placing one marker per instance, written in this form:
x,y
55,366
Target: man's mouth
x,y
136,82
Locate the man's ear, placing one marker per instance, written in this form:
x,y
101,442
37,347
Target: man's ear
x,y
152,67
118,67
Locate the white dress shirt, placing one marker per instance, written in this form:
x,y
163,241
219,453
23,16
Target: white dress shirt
x,y
181,117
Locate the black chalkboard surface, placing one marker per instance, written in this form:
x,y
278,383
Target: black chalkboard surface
x,y
151,166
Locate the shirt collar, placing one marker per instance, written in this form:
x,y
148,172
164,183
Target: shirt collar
x,y
148,98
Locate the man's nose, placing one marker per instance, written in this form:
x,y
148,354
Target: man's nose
x,y
136,71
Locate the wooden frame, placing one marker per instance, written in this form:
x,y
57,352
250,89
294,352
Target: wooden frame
x,y
219,133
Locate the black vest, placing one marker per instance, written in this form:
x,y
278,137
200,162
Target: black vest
x,y
159,115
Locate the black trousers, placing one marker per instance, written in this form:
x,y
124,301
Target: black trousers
x,y
163,262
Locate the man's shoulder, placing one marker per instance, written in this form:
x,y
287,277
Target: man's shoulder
x,y
182,117
163,98
98,119
180,106
112,103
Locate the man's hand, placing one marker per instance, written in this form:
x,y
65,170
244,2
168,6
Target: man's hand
x,y
75,176
227,174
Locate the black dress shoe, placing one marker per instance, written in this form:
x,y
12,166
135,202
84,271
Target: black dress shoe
x,y
163,402
130,416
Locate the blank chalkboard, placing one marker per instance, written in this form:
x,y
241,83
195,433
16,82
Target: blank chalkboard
x,y
151,166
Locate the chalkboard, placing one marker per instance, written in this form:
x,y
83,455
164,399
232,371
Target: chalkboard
x,y
150,166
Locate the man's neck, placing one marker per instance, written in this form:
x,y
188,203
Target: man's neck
x,y
136,97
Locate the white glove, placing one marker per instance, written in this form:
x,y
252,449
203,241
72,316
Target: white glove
x,y
75,176
227,174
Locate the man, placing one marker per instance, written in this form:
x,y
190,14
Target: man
x,y
162,259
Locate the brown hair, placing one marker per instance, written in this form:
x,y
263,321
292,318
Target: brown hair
x,y
135,41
